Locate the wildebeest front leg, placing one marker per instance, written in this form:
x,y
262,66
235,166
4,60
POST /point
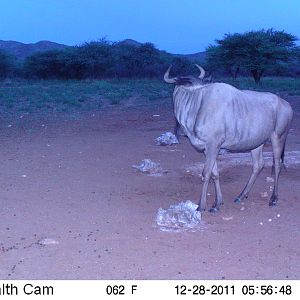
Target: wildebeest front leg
x,y
176,128
258,164
219,198
211,155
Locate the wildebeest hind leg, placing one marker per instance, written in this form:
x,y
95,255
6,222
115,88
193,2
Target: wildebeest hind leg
x,y
282,165
278,144
219,198
258,164
211,153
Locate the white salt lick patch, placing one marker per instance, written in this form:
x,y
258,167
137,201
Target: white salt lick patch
x,y
179,217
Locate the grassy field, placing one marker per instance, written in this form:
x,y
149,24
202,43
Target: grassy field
x,y
72,95
60,96
270,84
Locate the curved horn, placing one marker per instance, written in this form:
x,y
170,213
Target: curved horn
x,y
167,78
202,72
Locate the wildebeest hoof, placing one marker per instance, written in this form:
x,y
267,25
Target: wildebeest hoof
x,y
214,209
199,209
273,201
237,200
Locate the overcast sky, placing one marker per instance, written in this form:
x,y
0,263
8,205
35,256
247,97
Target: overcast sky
x,y
177,26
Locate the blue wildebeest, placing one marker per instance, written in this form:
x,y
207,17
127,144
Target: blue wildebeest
x,y
217,116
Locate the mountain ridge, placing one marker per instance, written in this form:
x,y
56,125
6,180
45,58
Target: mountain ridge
x,y
22,50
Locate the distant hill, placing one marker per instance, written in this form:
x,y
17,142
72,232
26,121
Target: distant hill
x,y
130,42
21,50
199,56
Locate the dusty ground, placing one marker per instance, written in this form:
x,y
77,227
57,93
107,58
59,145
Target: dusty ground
x,y
72,207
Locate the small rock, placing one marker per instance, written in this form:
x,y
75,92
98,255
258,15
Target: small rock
x,y
150,167
264,194
269,179
261,223
47,241
23,175
242,208
167,138
227,218
278,216
270,220
179,217
223,151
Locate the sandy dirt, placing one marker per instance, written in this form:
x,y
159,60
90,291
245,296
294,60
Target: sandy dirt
x,y
72,206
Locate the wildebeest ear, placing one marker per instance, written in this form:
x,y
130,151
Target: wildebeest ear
x,y
208,79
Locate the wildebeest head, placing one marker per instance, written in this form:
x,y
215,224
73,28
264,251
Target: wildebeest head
x,y
186,80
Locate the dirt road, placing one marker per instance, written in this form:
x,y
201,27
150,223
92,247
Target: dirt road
x,y
72,206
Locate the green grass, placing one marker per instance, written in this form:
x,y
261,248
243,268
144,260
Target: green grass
x,y
270,84
74,95
56,95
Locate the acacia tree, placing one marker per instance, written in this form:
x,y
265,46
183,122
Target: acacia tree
x,y
226,54
44,65
254,51
97,58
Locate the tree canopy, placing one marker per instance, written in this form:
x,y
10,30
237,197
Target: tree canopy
x,y
104,59
253,51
